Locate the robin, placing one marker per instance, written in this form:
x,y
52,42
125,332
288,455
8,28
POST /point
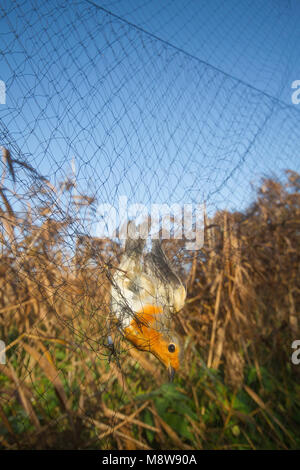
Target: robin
x,y
145,295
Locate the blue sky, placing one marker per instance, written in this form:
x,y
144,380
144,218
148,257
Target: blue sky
x,y
256,41
141,118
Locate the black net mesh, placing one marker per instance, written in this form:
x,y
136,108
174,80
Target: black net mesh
x,y
97,109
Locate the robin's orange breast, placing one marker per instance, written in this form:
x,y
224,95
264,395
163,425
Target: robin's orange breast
x,y
141,331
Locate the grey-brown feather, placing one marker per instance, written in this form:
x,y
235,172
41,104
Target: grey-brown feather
x,y
157,263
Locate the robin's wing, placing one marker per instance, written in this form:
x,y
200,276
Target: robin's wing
x,y
169,287
160,267
131,270
131,288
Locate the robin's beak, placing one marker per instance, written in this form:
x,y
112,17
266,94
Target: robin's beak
x,y
171,373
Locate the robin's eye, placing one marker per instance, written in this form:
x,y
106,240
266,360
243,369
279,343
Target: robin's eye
x,y
171,348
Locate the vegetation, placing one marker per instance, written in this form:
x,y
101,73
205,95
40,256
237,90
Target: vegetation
x,y
62,387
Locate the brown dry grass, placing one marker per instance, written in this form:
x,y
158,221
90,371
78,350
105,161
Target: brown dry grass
x,y
237,387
